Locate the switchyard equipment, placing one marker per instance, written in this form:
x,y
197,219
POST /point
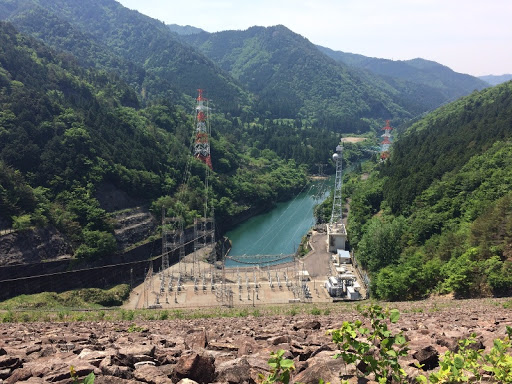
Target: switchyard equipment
x,y
336,231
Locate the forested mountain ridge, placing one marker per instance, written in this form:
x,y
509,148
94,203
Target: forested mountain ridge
x,y
449,83
184,29
445,140
289,73
288,76
292,79
495,80
437,216
131,36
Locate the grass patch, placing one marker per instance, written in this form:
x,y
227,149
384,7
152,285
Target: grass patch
x,y
87,298
12,311
316,311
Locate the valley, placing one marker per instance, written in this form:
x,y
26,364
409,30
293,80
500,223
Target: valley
x,y
181,206
97,126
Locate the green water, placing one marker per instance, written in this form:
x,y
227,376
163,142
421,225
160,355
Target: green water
x,y
279,231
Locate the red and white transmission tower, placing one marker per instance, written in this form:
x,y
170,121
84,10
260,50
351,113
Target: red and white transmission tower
x,y
386,141
202,144
204,228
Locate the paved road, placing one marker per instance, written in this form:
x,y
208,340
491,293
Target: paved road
x,y
317,261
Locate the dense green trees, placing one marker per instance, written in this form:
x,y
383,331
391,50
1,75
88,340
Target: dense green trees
x,y
143,51
292,78
67,130
436,81
444,141
454,214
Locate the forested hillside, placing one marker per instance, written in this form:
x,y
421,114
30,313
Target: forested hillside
x,y
292,77
495,80
437,216
65,130
438,79
266,73
105,33
184,30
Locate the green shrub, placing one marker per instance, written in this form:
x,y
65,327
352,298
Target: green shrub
x,y
316,312
375,349
280,369
164,315
21,222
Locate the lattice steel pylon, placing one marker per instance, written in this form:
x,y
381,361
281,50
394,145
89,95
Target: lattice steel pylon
x,y
337,204
336,231
204,228
386,141
172,239
203,131
148,284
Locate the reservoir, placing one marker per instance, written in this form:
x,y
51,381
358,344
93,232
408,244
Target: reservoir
x,y
279,231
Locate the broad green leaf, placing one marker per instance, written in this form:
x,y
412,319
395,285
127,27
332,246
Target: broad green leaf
x,y
458,362
394,315
287,364
89,379
400,339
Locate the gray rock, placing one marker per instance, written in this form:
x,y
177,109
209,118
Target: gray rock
x,y
4,373
187,381
196,339
10,362
282,339
308,324
234,371
19,374
326,368
151,374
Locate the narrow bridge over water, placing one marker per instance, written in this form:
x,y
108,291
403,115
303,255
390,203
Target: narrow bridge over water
x,y
255,260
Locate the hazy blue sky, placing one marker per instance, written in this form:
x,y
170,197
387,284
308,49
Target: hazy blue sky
x,y
469,36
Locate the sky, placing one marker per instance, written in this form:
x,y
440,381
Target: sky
x,y
469,36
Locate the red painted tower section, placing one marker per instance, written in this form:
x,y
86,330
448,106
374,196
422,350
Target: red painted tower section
x,y
386,141
202,142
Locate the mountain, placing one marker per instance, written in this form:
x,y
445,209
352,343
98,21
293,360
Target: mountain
x,y
292,79
437,216
291,76
262,72
451,84
156,63
495,80
184,30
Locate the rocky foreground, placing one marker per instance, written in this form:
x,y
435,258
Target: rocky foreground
x,y
229,350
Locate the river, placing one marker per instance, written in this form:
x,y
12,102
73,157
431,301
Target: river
x,y
280,230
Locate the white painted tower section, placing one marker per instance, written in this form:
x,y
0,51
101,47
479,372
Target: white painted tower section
x,y
336,231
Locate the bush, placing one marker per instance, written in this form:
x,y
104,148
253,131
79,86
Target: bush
x,y
21,222
96,244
